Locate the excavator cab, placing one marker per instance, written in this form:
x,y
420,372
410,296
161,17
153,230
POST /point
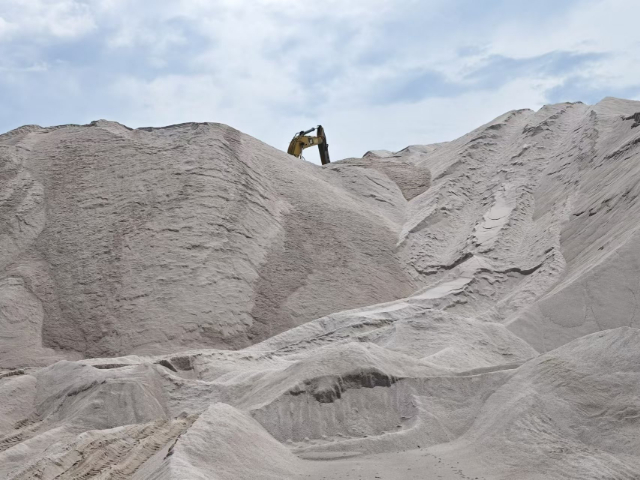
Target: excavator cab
x,y
302,140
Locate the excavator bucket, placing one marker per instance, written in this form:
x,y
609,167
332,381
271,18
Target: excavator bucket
x,y
323,146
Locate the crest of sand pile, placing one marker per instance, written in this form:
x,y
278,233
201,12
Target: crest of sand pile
x,y
523,246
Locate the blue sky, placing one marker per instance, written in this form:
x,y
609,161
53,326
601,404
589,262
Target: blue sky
x,y
378,74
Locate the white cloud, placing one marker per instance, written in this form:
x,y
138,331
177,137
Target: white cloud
x,y
36,67
65,19
272,67
5,29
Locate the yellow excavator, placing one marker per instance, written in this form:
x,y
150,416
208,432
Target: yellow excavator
x,y
302,140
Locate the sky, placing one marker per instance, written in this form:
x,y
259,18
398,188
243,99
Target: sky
x,y
377,74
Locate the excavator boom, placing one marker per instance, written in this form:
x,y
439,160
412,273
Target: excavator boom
x,y
301,141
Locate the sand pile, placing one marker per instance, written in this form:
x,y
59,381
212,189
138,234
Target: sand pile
x,y
188,302
119,241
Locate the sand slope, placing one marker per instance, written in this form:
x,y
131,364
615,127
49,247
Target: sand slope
x,y
188,302
151,240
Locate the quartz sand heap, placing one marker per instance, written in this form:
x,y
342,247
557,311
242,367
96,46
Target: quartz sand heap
x,y
190,303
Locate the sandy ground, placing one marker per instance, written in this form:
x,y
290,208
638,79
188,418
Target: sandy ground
x,y
411,465
189,303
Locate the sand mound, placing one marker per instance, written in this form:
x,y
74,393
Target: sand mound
x,y
150,240
528,218
571,413
225,444
457,310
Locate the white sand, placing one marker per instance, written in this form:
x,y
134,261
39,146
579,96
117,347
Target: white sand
x,y
190,303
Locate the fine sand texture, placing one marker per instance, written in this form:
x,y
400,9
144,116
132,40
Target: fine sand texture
x,y
190,303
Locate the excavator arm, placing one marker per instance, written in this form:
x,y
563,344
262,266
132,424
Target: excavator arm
x,y
301,141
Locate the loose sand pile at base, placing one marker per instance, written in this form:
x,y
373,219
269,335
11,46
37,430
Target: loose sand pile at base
x,y
190,303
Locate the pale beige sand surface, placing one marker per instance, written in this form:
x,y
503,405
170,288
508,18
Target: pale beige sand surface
x,y
190,303
410,465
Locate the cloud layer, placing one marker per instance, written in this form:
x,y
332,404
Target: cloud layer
x,y
379,74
